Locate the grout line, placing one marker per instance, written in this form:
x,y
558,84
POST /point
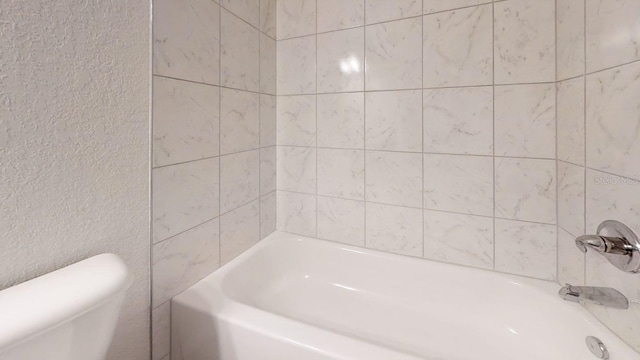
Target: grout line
x,y
245,21
209,157
259,125
150,191
424,235
213,85
220,137
187,230
364,118
584,119
493,124
556,150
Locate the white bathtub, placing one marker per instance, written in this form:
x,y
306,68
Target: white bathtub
x,y
297,298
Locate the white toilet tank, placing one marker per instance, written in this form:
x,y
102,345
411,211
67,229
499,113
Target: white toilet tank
x,y
69,314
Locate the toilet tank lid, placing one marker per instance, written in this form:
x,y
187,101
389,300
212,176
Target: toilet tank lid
x,y
36,305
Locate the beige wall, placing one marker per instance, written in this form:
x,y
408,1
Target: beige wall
x,y
74,145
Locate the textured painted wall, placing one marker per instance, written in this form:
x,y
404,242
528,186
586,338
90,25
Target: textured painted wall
x,y
74,145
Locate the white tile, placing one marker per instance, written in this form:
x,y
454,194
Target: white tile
x,y
570,100
526,249
248,10
297,66
296,18
268,11
297,120
341,173
394,229
184,196
394,55
183,260
458,183
341,61
240,53
612,33
384,10
268,211
239,121
267,170
613,125
341,120
394,178
525,123
186,121
570,38
296,169
186,37
394,120
431,6
625,323
458,47
268,120
454,129
526,189
341,220
571,192
297,213
268,78
239,230
340,14
458,239
524,45
570,260
239,179
161,331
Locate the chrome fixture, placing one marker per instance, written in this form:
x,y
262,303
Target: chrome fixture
x,y
597,295
597,348
616,242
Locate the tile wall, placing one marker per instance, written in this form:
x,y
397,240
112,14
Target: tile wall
x,y
599,143
214,121
444,148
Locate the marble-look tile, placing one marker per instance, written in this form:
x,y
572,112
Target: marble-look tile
x,y
296,169
296,18
384,10
268,211
184,196
431,6
571,192
458,183
240,53
524,41
161,331
526,249
394,178
394,229
458,239
239,179
570,102
613,124
526,189
341,220
268,120
296,66
570,38
268,65
525,123
341,120
394,54
183,260
394,120
247,10
268,10
624,323
570,260
186,121
341,173
239,121
458,47
267,170
340,14
612,33
297,120
296,213
186,37
454,129
239,230
341,61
